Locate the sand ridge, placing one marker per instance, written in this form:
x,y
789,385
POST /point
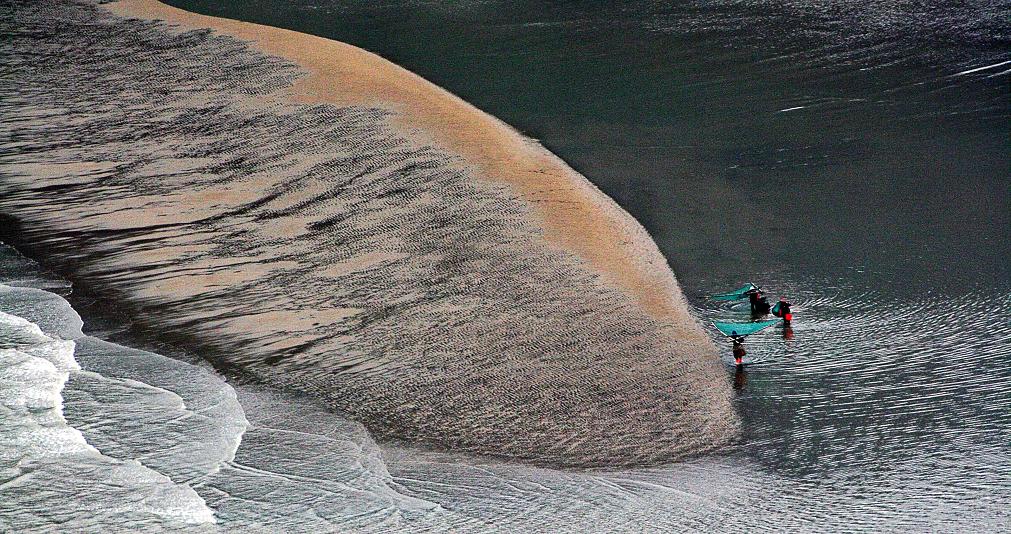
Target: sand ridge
x,y
341,250
575,214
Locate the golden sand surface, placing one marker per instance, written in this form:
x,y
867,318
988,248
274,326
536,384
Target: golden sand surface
x,y
576,215
315,217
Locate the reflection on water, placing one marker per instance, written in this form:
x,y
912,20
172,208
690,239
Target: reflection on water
x,y
740,378
868,391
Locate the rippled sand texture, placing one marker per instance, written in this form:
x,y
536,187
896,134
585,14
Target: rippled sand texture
x,y
346,245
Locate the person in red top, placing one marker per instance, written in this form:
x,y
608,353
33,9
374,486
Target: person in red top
x,y
782,309
739,351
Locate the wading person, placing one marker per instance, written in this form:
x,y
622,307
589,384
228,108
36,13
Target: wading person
x,y
739,351
759,302
782,309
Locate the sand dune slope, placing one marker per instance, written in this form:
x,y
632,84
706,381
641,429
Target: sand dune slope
x,y
319,218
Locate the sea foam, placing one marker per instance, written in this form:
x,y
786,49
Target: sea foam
x,y
98,436
49,473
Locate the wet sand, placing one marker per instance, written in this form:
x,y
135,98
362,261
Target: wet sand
x,y
322,219
575,214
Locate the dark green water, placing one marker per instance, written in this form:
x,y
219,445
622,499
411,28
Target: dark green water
x,y
852,156
894,169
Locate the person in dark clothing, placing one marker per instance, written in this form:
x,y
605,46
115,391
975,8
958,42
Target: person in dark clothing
x,y
739,351
759,302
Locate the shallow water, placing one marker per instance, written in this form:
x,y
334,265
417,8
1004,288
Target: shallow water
x,y
51,470
99,436
832,445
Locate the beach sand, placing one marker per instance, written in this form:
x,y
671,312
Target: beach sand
x,y
319,218
575,214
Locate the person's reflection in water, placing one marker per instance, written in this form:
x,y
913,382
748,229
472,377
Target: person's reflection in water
x,y
787,333
740,378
